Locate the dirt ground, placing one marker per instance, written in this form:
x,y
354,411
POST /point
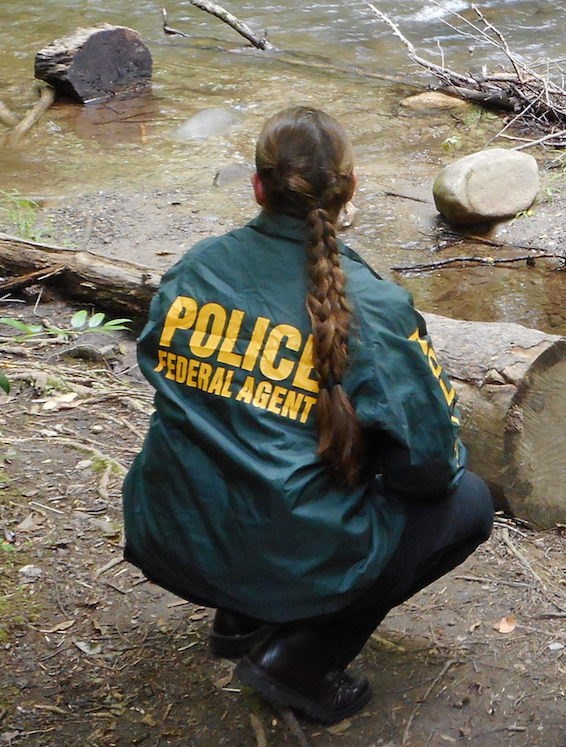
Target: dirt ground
x,y
92,654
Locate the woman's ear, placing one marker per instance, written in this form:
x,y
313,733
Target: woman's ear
x,y
354,183
259,191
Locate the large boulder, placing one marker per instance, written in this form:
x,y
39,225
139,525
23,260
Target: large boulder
x,y
96,63
486,186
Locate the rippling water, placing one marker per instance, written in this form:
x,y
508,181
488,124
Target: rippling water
x,y
327,52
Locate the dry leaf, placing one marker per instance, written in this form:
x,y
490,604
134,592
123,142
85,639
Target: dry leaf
x,y
63,401
50,708
30,523
340,728
90,649
221,682
60,627
198,616
507,624
149,720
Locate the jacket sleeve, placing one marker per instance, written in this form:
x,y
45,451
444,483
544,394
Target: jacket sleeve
x,y
405,401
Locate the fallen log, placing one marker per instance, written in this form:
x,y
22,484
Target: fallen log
x,y
112,284
511,380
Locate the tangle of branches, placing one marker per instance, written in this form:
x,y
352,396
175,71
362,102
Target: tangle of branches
x,y
535,94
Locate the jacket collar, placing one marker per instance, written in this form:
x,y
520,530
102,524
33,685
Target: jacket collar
x,y
278,224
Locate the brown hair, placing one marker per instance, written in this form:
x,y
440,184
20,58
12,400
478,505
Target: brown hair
x,y
305,164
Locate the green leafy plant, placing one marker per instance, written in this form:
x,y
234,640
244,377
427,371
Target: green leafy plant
x,y
4,383
81,322
21,212
525,213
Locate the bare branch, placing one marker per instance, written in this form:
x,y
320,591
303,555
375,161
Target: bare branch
x,y
167,29
46,98
7,117
534,98
546,139
490,261
233,22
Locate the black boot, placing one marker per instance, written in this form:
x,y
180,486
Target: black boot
x,y
234,634
290,671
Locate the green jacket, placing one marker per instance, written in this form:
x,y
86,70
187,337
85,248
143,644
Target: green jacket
x,y
228,503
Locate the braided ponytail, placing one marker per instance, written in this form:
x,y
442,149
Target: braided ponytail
x,y
304,162
340,437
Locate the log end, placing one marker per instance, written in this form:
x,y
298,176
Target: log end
x,y
535,442
95,63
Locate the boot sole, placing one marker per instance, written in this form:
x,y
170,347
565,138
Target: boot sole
x,y
253,676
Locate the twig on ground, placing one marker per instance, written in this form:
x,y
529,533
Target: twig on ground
x,y
259,731
406,197
416,709
491,261
103,483
545,139
293,725
459,238
498,522
487,580
109,461
47,508
549,593
108,566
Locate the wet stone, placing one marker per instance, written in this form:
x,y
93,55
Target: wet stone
x,y
206,123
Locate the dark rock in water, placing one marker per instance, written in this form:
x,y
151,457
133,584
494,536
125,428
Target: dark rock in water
x,y
486,186
96,63
233,172
208,122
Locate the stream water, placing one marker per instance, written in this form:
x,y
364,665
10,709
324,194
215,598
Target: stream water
x,y
332,56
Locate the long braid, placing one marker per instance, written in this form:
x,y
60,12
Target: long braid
x,y
340,436
304,161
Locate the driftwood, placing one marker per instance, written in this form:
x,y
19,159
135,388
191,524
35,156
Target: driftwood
x,y
7,117
96,63
511,382
219,12
538,100
511,379
47,96
169,30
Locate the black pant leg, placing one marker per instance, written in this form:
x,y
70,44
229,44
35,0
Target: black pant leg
x,y
437,538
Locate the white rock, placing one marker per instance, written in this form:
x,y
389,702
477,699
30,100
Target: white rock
x,y
30,573
232,172
433,100
205,123
486,186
